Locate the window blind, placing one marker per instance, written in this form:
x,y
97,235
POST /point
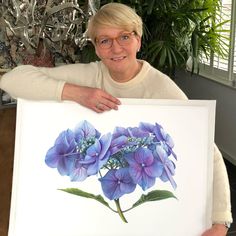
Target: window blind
x,y
216,67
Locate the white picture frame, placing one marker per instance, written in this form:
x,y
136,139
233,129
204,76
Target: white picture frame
x,y
39,208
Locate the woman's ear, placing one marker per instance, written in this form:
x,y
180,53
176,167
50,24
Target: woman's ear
x,y
139,43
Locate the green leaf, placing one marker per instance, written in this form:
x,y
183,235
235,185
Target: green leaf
x,y
84,194
150,7
155,195
162,56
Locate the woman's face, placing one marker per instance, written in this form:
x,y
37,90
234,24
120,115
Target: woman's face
x,y
117,49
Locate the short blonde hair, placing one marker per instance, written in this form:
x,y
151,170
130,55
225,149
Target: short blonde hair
x,y
115,15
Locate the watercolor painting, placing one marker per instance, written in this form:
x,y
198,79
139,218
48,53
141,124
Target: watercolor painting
x,y
137,171
123,159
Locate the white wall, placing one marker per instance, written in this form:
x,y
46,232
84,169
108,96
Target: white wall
x,y
197,87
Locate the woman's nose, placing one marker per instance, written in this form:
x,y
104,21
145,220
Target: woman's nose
x,y
115,47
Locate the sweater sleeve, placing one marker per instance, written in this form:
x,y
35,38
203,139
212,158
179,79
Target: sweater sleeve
x,y
30,83
40,83
221,191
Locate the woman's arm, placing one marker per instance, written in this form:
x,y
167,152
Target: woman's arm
x,y
75,82
41,83
221,190
30,82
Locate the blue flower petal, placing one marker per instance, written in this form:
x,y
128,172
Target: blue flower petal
x,y
120,131
138,133
154,170
116,183
79,173
63,152
168,166
143,168
136,173
118,143
126,182
52,157
65,166
85,130
146,182
146,127
97,154
94,150
166,176
144,156
110,187
105,142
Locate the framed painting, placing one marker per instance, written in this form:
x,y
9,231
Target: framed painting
x,y
145,169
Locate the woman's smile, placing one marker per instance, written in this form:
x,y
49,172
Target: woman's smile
x,y
118,58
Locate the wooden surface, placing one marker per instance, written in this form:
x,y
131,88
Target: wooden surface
x,y
7,140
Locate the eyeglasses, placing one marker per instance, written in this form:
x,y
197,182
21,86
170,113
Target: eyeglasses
x,y
123,39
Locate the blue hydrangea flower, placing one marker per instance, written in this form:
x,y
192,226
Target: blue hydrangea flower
x,y
160,136
129,157
143,167
131,132
116,183
128,139
85,135
168,165
97,154
118,143
85,130
62,154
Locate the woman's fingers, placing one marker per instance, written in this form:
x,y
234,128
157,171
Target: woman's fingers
x,y
103,101
92,98
107,103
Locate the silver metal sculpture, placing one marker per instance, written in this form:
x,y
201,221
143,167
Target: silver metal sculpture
x,y
59,24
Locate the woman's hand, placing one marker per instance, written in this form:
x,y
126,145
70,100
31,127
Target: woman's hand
x,y
92,98
216,230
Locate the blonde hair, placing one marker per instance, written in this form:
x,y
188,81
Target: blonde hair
x,y
115,15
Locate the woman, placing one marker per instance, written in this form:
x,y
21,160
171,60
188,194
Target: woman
x,y
116,32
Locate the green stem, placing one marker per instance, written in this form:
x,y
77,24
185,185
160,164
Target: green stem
x,y
119,211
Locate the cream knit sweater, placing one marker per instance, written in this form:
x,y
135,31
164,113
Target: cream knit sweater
x,y
47,84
